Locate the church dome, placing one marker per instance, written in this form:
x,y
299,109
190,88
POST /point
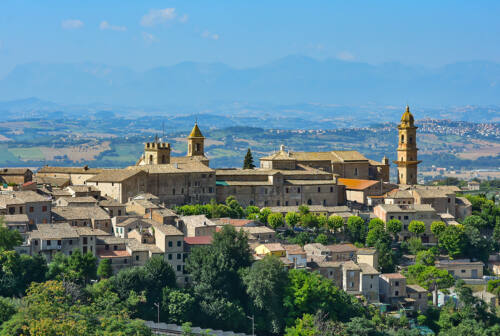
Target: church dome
x,y
407,118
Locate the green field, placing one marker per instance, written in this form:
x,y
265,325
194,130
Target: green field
x,y
27,154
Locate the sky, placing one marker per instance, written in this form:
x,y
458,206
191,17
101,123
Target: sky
x,y
146,34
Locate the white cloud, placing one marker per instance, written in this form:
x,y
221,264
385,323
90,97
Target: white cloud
x,y
158,16
105,25
346,56
149,38
71,24
184,18
208,35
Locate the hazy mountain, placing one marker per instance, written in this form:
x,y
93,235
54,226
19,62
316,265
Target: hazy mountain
x,y
291,80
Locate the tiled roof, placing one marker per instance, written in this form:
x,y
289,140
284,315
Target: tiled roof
x,y
316,246
458,262
357,184
339,248
309,182
173,168
233,221
88,231
54,231
406,208
113,254
293,249
136,221
351,266
257,229
200,240
168,230
16,218
366,251
54,181
273,247
70,170
415,288
197,221
117,175
13,171
80,188
79,212
82,199
367,269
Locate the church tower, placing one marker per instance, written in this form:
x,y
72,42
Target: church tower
x,y
407,150
196,142
156,152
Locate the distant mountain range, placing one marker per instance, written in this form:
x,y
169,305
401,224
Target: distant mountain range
x,y
287,81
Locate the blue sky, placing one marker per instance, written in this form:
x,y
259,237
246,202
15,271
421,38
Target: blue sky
x,y
145,34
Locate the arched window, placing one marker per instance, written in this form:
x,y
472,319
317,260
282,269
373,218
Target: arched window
x,y
197,147
410,140
402,138
355,171
151,159
309,202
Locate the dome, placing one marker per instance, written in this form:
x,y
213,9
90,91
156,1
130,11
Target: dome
x,y
407,118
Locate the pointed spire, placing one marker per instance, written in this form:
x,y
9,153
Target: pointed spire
x,y
195,132
407,108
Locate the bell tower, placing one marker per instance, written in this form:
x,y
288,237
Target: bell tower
x,y
196,142
156,152
407,161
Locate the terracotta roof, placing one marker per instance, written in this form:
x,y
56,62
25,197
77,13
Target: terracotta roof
x,y
357,184
393,276
200,240
195,132
113,254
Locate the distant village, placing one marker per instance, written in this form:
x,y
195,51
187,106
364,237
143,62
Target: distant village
x,y
130,215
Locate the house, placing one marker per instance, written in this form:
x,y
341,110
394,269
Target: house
x,y
164,216
398,196
329,269
236,222
170,241
342,252
17,222
315,250
296,255
357,190
367,256
473,185
462,268
81,216
192,242
48,239
351,277
17,176
261,234
419,295
369,282
275,249
35,206
198,225
123,228
83,191
392,288
76,175
112,207
407,213
143,206
120,184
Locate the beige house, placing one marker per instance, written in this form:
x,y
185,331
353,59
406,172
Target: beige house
x,y
329,269
419,295
198,225
369,282
408,213
357,190
83,216
170,241
317,251
15,175
76,175
351,277
120,184
342,252
260,234
462,268
16,222
392,288
76,201
367,256
35,206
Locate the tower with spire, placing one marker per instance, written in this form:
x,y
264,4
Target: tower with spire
x,y
196,142
407,160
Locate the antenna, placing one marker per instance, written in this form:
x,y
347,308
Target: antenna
x,y
163,130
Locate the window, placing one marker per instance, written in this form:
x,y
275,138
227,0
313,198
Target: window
x,y
179,256
49,242
170,244
33,209
319,189
136,257
309,202
286,203
402,138
119,212
410,139
115,247
298,190
278,203
462,271
179,243
396,283
405,217
331,189
20,209
125,261
112,184
12,211
106,247
170,256
59,242
85,240
71,241
36,242
449,200
179,268
396,293
286,190
355,171
173,191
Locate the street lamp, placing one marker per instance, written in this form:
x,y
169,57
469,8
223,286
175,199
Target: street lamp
x,y
157,305
253,324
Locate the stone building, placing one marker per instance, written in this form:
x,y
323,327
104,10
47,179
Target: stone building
x,y
407,150
35,206
265,187
15,175
345,164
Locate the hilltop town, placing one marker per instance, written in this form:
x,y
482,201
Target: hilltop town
x,y
394,246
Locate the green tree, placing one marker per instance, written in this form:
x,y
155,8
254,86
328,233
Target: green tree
x,y
335,223
275,220
477,245
303,209
308,293
376,223
7,309
475,221
427,276
394,227
309,220
304,326
265,282
104,269
386,256
251,209
264,214
437,228
453,240
292,219
179,306
248,162
9,238
322,222
375,234
356,229
496,230
425,257
322,239
416,227
415,245
82,267
158,274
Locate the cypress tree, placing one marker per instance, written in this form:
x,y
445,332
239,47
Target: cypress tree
x,y
248,162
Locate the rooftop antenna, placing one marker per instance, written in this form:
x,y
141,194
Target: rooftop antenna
x,y
163,130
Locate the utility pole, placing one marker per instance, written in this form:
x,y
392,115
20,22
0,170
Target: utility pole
x,y
253,324
157,305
